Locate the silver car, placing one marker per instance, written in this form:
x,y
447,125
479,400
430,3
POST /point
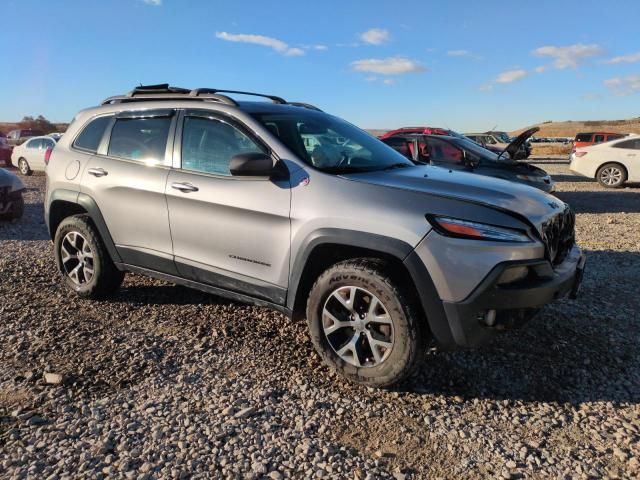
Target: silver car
x,y
283,205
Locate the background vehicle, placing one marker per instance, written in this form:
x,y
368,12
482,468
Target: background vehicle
x,y
32,155
463,154
611,163
506,138
55,135
591,138
18,137
5,150
11,201
283,205
497,145
417,130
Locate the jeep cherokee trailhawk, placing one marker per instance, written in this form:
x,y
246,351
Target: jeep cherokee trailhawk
x,y
282,205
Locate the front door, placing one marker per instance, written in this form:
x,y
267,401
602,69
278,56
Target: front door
x,y
127,179
229,232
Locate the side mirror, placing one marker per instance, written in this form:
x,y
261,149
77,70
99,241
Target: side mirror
x,y
253,164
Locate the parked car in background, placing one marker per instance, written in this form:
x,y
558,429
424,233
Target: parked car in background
x,y
497,144
55,135
33,154
591,138
506,138
11,190
463,154
285,206
5,150
18,137
417,130
611,163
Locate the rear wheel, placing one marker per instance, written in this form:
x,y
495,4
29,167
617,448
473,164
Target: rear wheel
x,y
24,167
83,260
611,175
364,325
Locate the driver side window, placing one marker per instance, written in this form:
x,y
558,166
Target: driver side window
x,y
140,139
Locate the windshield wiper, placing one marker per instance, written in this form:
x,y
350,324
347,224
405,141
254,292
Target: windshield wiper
x,y
393,166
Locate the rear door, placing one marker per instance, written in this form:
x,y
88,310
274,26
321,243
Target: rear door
x,y
598,138
228,232
127,179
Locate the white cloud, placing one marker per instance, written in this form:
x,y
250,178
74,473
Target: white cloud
x,y
155,3
541,68
387,66
623,85
511,76
569,56
631,58
376,36
459,53
278,45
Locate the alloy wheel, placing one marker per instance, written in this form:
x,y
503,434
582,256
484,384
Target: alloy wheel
x,y
358,326
24,167
611,176
77,258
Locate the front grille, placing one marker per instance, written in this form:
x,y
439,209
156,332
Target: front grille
x,y
558,235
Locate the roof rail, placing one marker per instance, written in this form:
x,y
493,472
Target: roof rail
x,y
163,91
304,105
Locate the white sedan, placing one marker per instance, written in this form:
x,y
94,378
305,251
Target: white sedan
x,y
611,163
29,156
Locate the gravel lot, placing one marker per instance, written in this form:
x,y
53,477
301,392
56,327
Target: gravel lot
x,y
165,382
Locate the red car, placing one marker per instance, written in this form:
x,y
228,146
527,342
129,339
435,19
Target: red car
x,y
5,151
418,130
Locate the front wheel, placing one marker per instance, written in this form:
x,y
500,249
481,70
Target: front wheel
x,y
611,175
83,260
24,167
364,325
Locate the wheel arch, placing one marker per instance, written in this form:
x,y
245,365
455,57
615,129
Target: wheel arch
x,y
65,203
327,247
614,162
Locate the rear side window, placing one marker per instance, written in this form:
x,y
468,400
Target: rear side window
x,y
140,139
629,144
443,152
599,139
613,137
37,143
583,137
91,136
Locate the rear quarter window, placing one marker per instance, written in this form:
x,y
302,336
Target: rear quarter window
x,y
633,144
91,135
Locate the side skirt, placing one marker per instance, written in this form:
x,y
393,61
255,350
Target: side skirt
x,y
238,297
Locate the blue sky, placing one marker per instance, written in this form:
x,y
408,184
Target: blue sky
x,y
465,65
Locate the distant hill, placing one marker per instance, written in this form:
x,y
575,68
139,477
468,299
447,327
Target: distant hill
x,y
571,128
6,127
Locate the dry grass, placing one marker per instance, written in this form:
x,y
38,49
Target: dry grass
x,y
571,128
551,149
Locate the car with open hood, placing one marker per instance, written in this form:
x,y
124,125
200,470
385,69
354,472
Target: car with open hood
x,y
282,205
463,154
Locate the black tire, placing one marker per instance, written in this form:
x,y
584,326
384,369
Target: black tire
x,y
105,278
24,168
611,175
409,327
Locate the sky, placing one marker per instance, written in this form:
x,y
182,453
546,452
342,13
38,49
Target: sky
x,y
465,65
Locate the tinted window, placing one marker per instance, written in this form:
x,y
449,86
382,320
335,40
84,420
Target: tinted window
x,y
444,152
400,145
583,137
613,137
37,143
142,139
90,137
599,138
630,144
209,145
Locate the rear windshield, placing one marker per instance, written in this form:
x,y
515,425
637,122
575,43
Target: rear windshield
x,y
583,137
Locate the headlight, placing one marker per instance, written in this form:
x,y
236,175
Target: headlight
x,y
454,227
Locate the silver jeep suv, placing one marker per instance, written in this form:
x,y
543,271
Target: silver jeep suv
x,y
282,205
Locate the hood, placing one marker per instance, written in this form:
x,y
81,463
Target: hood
x,y
524,200
519,141
8,179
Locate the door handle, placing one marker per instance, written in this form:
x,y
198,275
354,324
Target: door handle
x,y
97,172
184,187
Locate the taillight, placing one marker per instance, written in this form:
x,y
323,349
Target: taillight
x,y
581,154
47,155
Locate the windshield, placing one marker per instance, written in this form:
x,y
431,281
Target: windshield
x,y
483,153
329,143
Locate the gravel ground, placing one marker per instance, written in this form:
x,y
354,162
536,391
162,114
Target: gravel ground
x,y
165,382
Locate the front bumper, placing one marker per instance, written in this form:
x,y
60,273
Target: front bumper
x,y
465,324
